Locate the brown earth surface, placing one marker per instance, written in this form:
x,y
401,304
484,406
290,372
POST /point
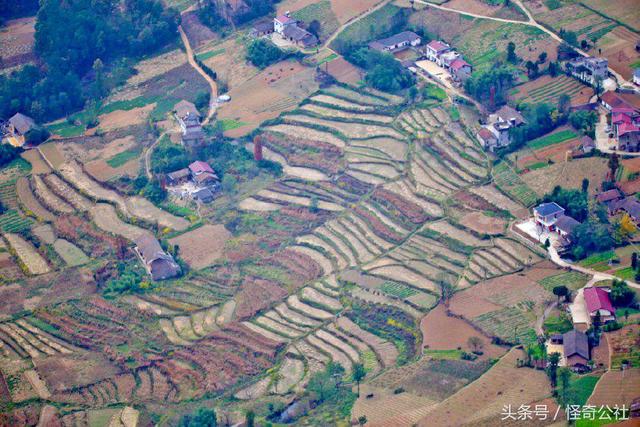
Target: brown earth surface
x,y
568,175
121,118
343,71
16,42
203,246
503,384
482,223
442,332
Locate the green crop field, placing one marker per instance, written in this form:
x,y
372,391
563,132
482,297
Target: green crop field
x,y
210,54
12,222
550,139
123,157
397,290
573,280
507,180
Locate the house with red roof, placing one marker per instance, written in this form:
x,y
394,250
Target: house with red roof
x,y
280,23
597,301
461,69
435,49
625,118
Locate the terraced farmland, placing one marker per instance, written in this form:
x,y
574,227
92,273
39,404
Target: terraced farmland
x,y
376,203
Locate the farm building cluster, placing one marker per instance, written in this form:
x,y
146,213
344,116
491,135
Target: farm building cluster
x,y
198,182
495,133
22,131
448,58
589,70
288,29
624,116
188,118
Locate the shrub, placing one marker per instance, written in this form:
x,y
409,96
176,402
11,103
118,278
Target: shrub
x,y
262,53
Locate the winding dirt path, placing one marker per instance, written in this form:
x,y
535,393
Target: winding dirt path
x,y
212,84
353,21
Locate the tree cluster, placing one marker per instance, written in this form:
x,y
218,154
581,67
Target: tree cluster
x,y
495,82
262,53
10,9
70,36
383,71
8,153
575,202
540,119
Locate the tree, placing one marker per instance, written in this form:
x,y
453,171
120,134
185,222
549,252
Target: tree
x,y
564,104
315,28
532,68
362,419
634,260
542,58
512,57
475,343
565,376
3,208
561,291
250,418
547,243
614,164
323,384
554,69
626,227
552,368
154,192
358,374
584,45
584,121
99,87
262,53
203,417
229,183
569,36
621,294
585,185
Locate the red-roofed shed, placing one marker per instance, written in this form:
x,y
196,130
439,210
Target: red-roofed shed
x,y
597,300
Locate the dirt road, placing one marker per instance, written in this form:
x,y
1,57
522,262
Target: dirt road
x,y
212,84
352,21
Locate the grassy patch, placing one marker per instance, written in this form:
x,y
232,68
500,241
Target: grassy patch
x,y
229,124
435,92
443,354
321,12
554,138
626,273
573,280
66,130
328,58
210,54
557,324
580,388
598,258
122,158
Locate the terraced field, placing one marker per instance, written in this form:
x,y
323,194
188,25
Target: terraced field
x,y
381,241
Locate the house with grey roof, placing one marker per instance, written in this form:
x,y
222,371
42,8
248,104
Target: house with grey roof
x,y
396,42
19,126
546,214
159,264
576,349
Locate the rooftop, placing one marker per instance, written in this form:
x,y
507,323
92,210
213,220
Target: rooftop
x,y
438,46
567,224
597,299
405,36
508,113
459,63
575,343
608,196
22,123
199,167
284,19
546,209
